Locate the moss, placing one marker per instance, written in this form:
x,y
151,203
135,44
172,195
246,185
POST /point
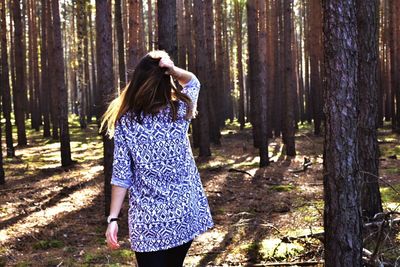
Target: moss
x,y
90,258
282,187
23,264
124,254
46,244
390,195
274,249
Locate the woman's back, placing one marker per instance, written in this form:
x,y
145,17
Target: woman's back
x,y
154,160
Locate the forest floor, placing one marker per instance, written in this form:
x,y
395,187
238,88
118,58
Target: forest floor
x,y
54,216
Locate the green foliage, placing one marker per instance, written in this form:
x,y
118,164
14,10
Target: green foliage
x,y
46,244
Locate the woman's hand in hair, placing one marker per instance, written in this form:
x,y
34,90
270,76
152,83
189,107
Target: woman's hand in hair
x,y
166,62
181,75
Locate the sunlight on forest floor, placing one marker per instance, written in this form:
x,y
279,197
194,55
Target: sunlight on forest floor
x,y
54,216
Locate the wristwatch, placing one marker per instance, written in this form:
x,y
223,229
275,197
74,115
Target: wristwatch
x,y
111,219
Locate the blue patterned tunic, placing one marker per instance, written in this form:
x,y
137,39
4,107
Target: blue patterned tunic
x,y
154,161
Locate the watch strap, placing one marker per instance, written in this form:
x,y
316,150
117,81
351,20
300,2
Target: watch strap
x,y
112,219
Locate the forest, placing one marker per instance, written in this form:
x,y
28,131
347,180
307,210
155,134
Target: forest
x,y
297,138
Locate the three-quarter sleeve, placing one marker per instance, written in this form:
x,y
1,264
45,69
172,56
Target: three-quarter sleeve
x,y
122,171
192,89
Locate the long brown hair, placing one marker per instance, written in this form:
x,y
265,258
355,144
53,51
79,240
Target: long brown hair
x,y
149,90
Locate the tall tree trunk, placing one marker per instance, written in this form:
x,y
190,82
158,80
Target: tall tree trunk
x,y
45,84
35,64
219,63
263,82
253,84
181,34
82,86
396,90
201,63
53,94
238,34
367,21
315,17
342,181
20,86
150,24
58,55
120,42
289,92
5,82
105,83
167,28
394,80
94,91
215,134
133,56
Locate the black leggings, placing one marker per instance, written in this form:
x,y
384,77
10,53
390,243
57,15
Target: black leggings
x,y
172,257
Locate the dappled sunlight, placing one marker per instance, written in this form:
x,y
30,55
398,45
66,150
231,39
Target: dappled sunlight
x,y
70,203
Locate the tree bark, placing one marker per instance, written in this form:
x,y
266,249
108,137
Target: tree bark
x,y
120,42
342,181
253,84
288,133
5,83
261,89
133,56
45,84
238,35
58,55
53,94
315,18
20,86
367,21
105,84
167,28
201,63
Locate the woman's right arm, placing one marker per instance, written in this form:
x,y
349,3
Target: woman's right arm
x,y
117,198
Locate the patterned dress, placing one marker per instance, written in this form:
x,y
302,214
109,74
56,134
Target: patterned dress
x,y
154,161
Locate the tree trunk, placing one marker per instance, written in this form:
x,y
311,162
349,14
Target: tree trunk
x,y
219,63
201,63
150,24
45,84
215,134
120,42
253,84
20,86
105,84
58,55
261,89
397,70
5,82
238,34
342,181
315,17
82,88
367,20
53,94
167,28
288,133
133,56
35,65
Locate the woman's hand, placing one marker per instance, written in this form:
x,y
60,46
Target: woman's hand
x,y
166,62
111,235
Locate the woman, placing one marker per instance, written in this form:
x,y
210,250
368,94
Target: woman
x,y
153,159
